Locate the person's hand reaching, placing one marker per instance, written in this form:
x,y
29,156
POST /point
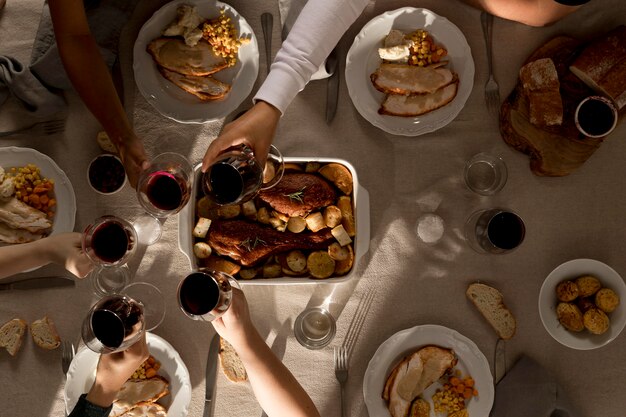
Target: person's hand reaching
x,y
255,128
235,325
66,250
133,156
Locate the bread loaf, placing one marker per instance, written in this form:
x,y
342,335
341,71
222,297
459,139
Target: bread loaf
x,y
490,303
45,334
12,334
602,65
540,82
231,363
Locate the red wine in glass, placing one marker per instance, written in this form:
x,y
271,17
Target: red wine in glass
x,y
596,116
506,230
205,295
110,242
165,190
113,324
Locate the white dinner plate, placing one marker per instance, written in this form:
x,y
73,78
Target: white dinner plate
x,y
391,351
173,102
363,60
65,216
82,373
547,303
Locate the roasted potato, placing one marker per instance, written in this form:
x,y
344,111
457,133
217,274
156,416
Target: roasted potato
x,y
292,166
607,300
269,172
341,235
332,216
570,317
587,285
315,221
248,273
263,215
296,224
202,227
567,291
320,264
249,210
278,224
202,250
312,167
338,252
596,321
206,208
296,261
347,215
279,215
343,267
229,212
338,175
220,264
271,271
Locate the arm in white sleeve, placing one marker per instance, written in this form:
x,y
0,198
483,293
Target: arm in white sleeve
x,y
317,30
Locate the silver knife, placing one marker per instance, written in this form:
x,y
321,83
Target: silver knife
x,y
332,89
211,370
267,23
499,361
38,283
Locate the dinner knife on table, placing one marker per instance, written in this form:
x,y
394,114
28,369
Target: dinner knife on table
x,y
38,283
332,89
211,370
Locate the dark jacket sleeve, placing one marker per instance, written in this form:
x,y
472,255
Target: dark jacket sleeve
x,y
84,408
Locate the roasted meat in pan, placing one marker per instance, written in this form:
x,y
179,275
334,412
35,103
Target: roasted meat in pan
x,y
297,194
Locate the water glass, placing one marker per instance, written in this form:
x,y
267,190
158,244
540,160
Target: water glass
x,y
485,174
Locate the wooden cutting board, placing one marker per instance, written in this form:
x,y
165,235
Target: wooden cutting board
x,y
554,151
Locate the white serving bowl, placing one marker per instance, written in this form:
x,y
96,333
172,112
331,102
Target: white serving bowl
x,y
547,303
186,223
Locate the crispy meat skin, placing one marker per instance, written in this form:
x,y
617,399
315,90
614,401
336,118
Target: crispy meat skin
x,y
248,242
316,193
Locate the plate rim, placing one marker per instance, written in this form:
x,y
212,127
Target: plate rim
x,y
544,309
139,50
462,95
486,392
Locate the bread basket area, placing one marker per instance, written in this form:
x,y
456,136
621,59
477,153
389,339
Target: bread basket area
x,y
360,198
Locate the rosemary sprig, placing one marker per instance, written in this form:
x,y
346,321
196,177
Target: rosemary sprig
x,y
249,245
297,195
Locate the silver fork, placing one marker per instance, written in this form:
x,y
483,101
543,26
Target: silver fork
x,y
67,354
492,92
49,127
341,373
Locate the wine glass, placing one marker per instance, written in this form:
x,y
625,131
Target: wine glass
x,y
152,301
237,176
109,242
206,295
494,230
162,190
113,324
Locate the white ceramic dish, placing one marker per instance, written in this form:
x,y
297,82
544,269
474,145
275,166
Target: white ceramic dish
x,y
363,60
186,223
391,351
65,216
173,102
548,302
82,373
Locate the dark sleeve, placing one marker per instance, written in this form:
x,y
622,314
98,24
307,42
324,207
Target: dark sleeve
x,y
84,408
572,2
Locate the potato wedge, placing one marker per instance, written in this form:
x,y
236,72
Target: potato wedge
x,y
271,271
296,261
279,215
338,175
320,264
248,273
315,222
202,227
292,166
202,250
263,215
206,208
312,167
278,224
220,264
296,224
288,272
343,267
249,210
341,235
338,252
229,212
347,217
332,216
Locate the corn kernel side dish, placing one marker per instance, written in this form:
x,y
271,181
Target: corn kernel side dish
x,y
222,35
148,369
424,50
33,189
452,398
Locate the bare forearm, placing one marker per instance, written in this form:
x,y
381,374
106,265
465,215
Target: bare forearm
x,y
529,12
276,389
18,258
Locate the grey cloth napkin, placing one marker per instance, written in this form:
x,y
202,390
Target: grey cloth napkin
x,y
18,81
528,390
106,20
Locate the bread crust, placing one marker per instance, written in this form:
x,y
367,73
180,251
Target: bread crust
x,y
45,334
231,364
490,302
10,329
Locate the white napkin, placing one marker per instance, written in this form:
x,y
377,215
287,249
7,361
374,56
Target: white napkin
x,y
18,81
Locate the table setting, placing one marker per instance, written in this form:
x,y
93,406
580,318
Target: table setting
x,y
478,252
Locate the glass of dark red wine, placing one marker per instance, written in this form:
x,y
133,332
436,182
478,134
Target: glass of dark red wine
x,y
596,116
113,324
109,242
206,294
162,190
237,176
494,231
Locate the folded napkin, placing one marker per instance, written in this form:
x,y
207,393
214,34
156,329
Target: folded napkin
x,y
529,390
106,20
19,82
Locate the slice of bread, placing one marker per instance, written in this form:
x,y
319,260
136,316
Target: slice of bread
x,y
12,334
231,363
45,334
490,303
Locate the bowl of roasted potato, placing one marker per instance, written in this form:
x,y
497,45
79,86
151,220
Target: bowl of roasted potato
x,y
580,304
312,225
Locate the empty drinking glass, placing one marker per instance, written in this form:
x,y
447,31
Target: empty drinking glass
x,y
485,174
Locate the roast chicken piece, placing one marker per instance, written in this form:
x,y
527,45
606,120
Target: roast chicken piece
x,y
137,391
19,215
147,409
205,88
410,106
297,194
175,55
249,242
410,79
409,369
10,235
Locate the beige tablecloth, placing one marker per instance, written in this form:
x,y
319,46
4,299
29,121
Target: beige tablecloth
x,y
581,215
